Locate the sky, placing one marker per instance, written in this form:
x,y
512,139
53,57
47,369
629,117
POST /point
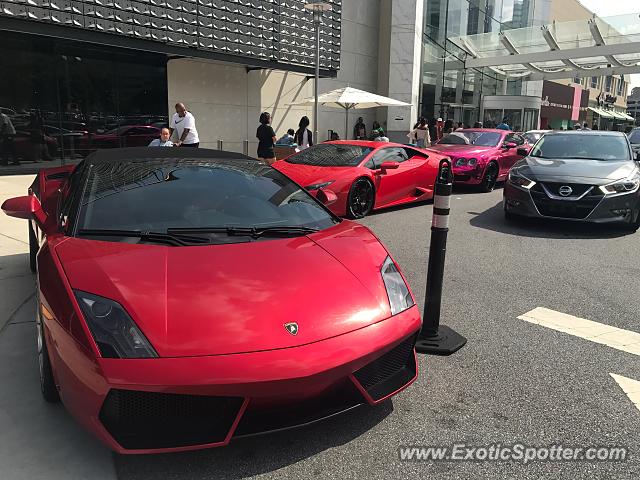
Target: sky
x,y
608,8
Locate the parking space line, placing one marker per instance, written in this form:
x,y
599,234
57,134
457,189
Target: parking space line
x,y
630,387
618,338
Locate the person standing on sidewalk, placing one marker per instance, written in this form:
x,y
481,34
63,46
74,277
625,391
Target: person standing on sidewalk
x,y
7,132
304,137
421,134
266,139
184,123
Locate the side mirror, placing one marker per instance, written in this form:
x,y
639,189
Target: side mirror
x,y
509,145
389,166
327,197
27,207
523,152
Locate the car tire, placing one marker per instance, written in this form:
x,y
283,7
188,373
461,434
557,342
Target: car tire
x,y
33,249
361,198
47,381
510,217
490,178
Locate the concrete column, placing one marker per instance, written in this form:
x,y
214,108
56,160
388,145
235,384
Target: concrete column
x,y
405,66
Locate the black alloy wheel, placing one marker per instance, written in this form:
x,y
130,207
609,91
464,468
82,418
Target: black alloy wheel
x,y
361,198
47,382
490,178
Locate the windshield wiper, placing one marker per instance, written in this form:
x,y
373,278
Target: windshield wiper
x,y
254,232
174,239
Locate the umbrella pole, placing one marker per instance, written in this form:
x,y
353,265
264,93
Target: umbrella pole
x,y
346,123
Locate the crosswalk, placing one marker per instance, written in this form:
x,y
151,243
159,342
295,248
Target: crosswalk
x,y
614,337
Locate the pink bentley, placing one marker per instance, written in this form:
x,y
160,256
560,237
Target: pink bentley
x,y
482,156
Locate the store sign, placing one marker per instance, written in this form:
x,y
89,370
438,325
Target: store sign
x,y
564,102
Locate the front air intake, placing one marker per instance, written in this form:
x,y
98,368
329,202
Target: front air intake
x,y
150,420
390,372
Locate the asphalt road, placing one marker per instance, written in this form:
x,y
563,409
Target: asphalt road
x,y
513,382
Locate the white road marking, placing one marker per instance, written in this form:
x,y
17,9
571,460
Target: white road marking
x,y
624,340
630,387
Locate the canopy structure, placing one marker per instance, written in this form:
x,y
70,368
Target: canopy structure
x,y
350,98
596,47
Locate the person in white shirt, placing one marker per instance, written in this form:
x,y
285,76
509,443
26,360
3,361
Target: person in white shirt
x,y
421,134
184,123
304,137
163,141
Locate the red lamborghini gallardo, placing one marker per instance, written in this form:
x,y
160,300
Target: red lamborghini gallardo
x,y
190,297
364,175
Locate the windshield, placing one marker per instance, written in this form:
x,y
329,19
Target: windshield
x,y
157,195
532,137
469,137
588,146
634,136
331,155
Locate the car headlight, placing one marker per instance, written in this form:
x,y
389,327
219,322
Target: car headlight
x,y
472,162
520,180
317,186
628,185
399,296
461,162
113,329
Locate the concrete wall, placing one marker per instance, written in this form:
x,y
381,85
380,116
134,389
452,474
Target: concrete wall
x,y
226,99
358,65
405,65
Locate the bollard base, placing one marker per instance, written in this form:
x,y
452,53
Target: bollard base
x,y
446,342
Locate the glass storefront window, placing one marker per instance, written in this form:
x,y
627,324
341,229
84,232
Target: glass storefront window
x,y
67,99
514,119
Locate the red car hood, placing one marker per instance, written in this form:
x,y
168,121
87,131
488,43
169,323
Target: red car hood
x,y
223,299
462,150
306,175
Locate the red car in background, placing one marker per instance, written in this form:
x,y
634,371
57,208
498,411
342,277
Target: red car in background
x,y
482,157
188,297
364,175
126,136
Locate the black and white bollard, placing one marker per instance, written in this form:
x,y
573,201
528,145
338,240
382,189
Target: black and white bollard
x,y
434,338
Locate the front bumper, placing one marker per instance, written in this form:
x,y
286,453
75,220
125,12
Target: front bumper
x,y
174,404
468,175
617,209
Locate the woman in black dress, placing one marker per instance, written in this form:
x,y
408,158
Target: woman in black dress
x,y
266,139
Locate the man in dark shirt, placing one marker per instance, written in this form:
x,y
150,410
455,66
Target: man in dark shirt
x,y
266,139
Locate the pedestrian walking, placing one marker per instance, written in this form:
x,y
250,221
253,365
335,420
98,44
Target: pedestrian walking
x,y
266,139
304,137
184,124
420,134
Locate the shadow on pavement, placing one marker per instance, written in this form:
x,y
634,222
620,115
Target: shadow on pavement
x,y
493,219
256,455
39,440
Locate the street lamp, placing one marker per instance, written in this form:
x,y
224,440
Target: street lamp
x,y
318,9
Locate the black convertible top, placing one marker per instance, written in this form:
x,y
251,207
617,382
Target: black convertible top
x,y
135,154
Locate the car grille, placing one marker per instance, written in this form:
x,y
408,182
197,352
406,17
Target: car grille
x,y
571,206
150,420
390,372
296,412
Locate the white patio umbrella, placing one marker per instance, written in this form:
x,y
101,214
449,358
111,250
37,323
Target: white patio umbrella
x,y
350,98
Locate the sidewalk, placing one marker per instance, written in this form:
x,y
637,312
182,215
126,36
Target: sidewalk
x,y
39,440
